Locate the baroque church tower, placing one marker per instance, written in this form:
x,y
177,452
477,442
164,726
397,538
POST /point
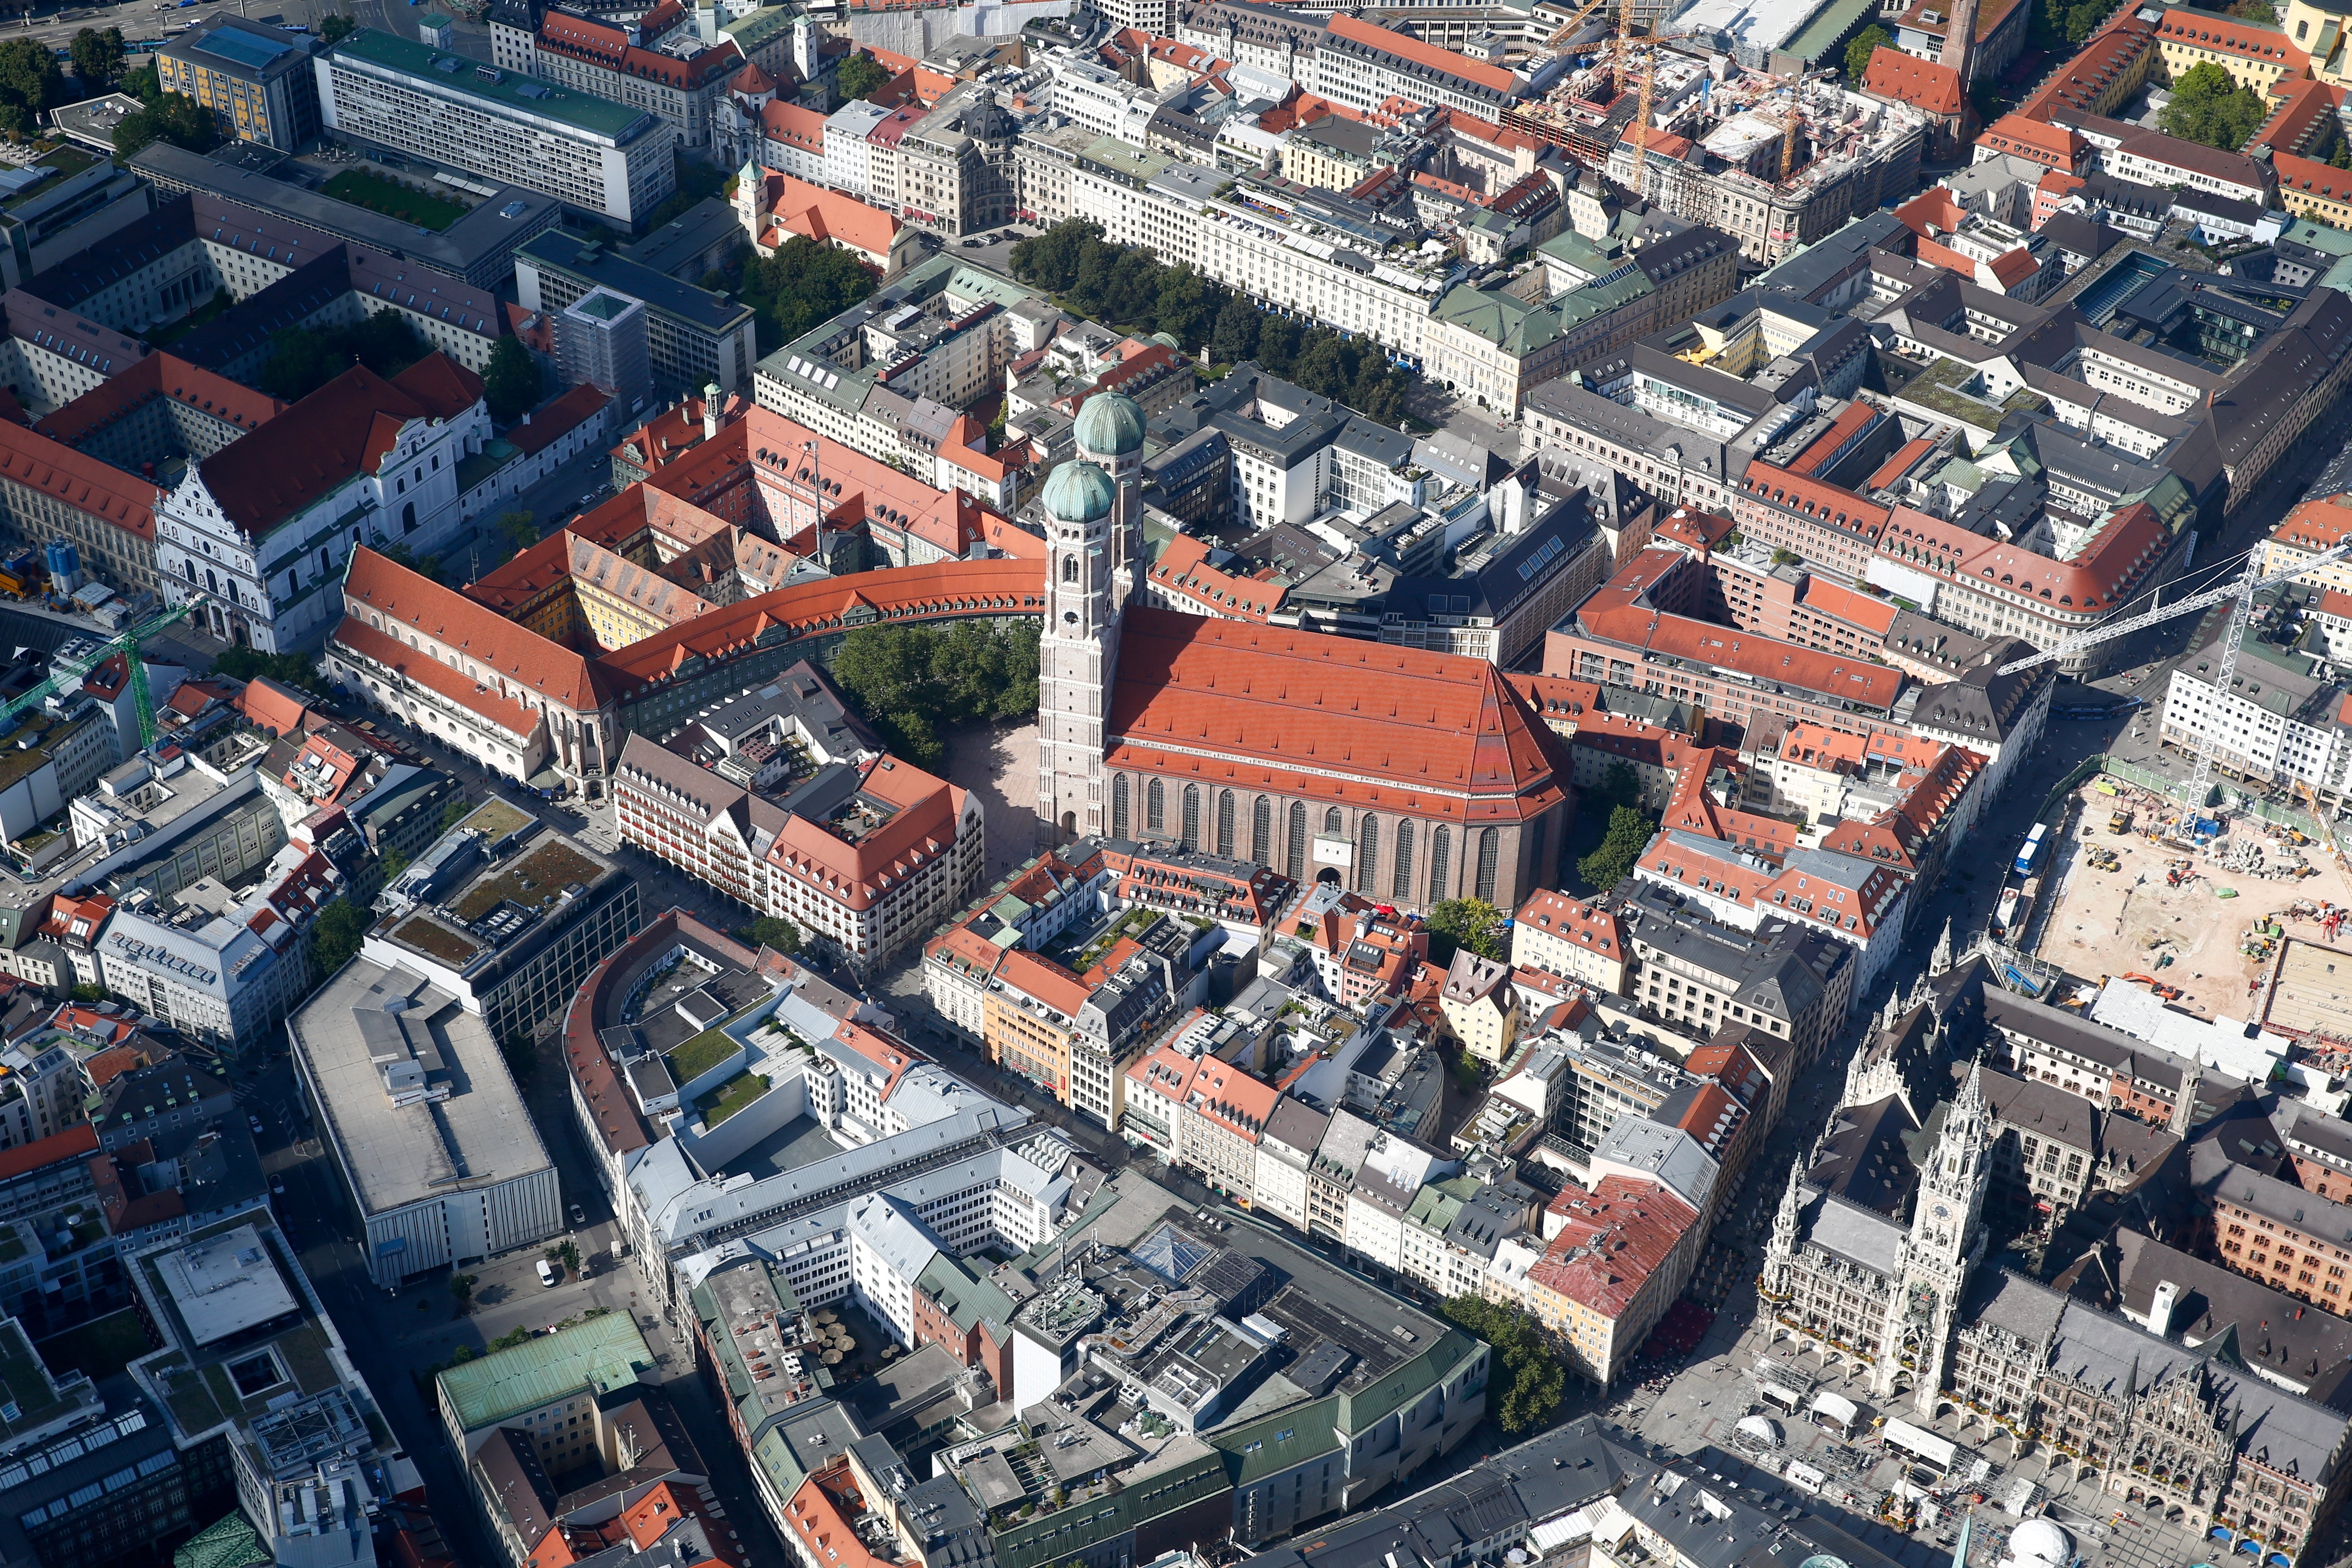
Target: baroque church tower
x,y
1944,1243
1094,555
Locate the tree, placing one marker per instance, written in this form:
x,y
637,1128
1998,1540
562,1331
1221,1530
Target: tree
x,y
1630,833
861,74
143,84
1533,1377
250,664
461,1292
803,285
1864,44
904,680
2208,107
1235,337
518,528
520,1058
29,78
698,181
335,938
337,27
2258,11
98,58
304,359
510,382
770,931
172,117
456,812
1473,924
1620,785
568,1254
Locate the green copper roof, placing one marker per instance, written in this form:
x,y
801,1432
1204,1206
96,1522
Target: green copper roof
x,y
605,1352
1079,492
510,92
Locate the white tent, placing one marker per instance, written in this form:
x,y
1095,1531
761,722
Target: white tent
x,y
1763,1429
1838,1410
1921,1444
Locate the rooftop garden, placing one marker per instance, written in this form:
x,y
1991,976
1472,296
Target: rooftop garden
x,y
721,1103
434,940
699,1055
494,819
394,200
530,879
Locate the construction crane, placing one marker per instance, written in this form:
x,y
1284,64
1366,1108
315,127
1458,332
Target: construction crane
x,y
71,669
1795,117
1642,113
2249,583
1569,28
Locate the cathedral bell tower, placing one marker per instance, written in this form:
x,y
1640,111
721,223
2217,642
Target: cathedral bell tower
x,y
1934,1261
1094,545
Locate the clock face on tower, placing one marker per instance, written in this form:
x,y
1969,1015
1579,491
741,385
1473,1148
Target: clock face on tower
x,y
1943,1213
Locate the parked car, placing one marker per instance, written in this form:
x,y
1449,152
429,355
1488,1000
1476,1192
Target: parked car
x,y
547,1274
579,1215
975,242
254,1123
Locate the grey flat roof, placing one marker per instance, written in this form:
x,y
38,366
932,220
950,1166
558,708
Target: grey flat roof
x,y
594,261
456,250
395,1157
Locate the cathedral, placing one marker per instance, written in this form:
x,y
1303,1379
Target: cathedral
x,y
1405,775
1876,1264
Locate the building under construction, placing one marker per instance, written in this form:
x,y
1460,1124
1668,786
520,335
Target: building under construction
x,y
1776,161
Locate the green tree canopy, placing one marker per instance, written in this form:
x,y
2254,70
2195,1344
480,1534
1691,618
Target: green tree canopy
x,y
1526,1393
336,29
1473,924
906,680
860,74
1864,44
803,285
1630,832
1128,286
510,382
2209,107
304,359
171,117
769,930
98,58
335,936
286,668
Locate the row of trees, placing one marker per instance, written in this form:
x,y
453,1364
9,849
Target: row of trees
x,y
1532,1379
908,682
171,117
1129,285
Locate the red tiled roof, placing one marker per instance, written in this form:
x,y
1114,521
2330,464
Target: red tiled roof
x,y
2015,266
270,705
82,483
1927,85
794,125
1613,614
2105,567
516,654
2109,53
367,642
1183,570
603,44
1820,501
2228,34
2305,105
74,1144
2316,525
542,427
820,214
1615,1237
1429,735
2311,177
1044,980
1896,466
160,376
345,428
1848,604
1407,47
2032,139
1844,428
860,875
1576,921
1556,696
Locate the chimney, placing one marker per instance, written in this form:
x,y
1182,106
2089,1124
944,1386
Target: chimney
x,y
711,411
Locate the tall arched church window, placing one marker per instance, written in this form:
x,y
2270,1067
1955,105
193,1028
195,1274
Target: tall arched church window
x,y
1490,855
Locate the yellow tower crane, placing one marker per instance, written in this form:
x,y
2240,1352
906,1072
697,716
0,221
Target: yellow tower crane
x,y
1642,113
1569,28
1794,118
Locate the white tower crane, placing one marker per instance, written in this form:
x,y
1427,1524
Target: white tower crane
x,y
2249,583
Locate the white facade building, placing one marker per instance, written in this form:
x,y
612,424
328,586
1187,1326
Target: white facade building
x,y
607,160
845,161
259,535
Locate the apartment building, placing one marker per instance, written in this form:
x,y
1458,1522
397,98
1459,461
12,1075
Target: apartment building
x,y
2282,724
2091,1061
1579,940
260,81
1784,980
609,161
869,854
1624,1251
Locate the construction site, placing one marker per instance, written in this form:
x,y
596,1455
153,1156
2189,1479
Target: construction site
x,y
2223,918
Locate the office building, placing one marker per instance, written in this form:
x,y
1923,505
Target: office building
x,y
606,160
258,80
62,203
693,337
425,1127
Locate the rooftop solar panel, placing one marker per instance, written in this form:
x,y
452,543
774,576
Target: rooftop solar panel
x,y
247,50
